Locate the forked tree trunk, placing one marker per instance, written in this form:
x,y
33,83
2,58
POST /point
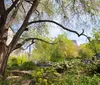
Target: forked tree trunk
x,y
4,50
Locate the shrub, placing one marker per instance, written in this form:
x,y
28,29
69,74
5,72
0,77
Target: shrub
x,y
45,76
28,66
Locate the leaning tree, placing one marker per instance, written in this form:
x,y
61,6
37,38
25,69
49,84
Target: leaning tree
x,y
26,13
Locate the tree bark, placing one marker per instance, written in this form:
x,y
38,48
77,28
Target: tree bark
x,y
4,63
3,50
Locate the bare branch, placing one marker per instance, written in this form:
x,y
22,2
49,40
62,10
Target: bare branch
x,y
87,37
37,12
32,42
24,9
12,6
51,21
28,46
13,15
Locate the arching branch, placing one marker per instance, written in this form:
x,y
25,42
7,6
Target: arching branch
x,y
19,45
51,21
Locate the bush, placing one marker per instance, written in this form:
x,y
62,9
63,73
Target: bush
x,y
28,66
17,60
13,63
76,73
45,76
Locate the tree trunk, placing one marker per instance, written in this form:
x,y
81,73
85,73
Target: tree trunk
x,y
3,64
4,53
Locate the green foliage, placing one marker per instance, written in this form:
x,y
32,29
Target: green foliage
x,y
57,52
80,80
27,66
17,59
45,76
77,73
42,51
47,7
85,52
65,48
15,62
95,41
6,82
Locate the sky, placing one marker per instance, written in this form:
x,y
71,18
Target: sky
x,y
71,36
84,22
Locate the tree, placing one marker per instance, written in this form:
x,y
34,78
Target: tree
x,y
24,13
94,44
42,51
63,49
85,52
91,48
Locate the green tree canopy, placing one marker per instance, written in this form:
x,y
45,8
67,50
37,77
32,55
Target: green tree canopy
x,y
85,52
62,50
95,40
